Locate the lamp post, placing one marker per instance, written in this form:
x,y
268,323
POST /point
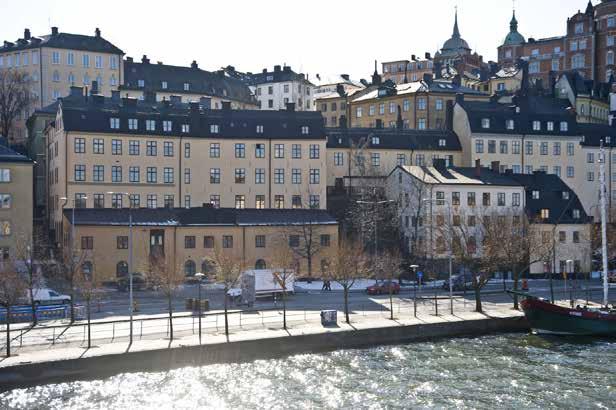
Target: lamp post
x,y
72,253
414,268
569,271
450,250
199,276
130,261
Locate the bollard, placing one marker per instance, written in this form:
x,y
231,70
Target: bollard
x,y
113,332
435,304
53,340
141,331
415,307
240,318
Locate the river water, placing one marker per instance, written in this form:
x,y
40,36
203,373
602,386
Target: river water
x,y
505,371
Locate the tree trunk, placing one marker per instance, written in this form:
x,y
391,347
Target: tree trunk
x,y
516,278
284,309
391,301
72,293
8,330
89,328
346,304
226,312
33,306
309,262
478,307
170,319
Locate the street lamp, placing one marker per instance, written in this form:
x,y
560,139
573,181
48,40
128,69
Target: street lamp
x,y
130,261
414,268
72,244
199,276
444,201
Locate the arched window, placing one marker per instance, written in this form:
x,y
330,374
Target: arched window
x,y
121,269
208,267
99,80
56,76
190,268
86,269
71,79
260,264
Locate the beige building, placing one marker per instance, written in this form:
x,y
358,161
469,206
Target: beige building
x,y
157,82
422,104
408,71
189,238
57,61
16,190
178,155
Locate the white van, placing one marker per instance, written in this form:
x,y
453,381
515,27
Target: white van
x,y
266,282
46,296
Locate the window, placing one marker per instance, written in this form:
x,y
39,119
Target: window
x,y
570,149
240,175
478,147
556,170
208,242
80,173
556,148
80,145
278,150
98,146
500,199
214,150
294,241
375,158
168,149
260,175
152,201
116,200
545,213
470,199
133,147
260,151
260,201
214,175
339,159
168,175
576,237
503,147
533,67
215,200
151,175
240,150
259,241
116,173
133,124
314,201
150,125
186,86
278,176
440,198
315,176
590,176
529,148
80,200
187,201
564,126
296,151
305,130
168,201
190,268
55,58
99,200
486,199
515,199
400,159
421,103
406,105
279,201
296,202
87,242
98,173
491,147
570,172
535,194
325,240
543,147
590,157
151,148
85,60
167,126
5,201
515,147
455,198
133,174
509,124
421,124
190,242
314,151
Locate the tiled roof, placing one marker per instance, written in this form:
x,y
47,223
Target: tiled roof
x,y
64,41
393,138
93,115
200,81
203,216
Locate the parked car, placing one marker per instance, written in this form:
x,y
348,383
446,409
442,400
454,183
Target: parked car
x,y
384,287
611,277
459,282
139,282
46,296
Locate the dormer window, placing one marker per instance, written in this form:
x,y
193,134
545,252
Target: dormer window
x,y
576,214
269,78
132,124
535,194
167,126
305,130
485,123
566,195
564,126
259,129
114,123
141,83
164,85
550,125
150,125
545,213
442,142
185,128
510,124
376,140
608,140
186,86
214,128
536,125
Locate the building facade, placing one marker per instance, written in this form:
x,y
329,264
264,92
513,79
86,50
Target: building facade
x,y
57,61
407,71
179,155
189,239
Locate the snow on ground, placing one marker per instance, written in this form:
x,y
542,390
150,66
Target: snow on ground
x,y
360,284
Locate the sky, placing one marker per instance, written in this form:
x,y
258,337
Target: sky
x,y
325,37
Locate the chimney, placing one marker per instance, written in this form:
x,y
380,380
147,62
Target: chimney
x,y
345,77
115,96
449,115
399,122
76,91
495,165
129,59
460,98
194,64
340,89
379,123
265,71
27,35
290,106
94,89
414,57
194,106
440,164
145,59
129,102
205,103
427,77
428,56
478,168
287,69
54,31
97,33
226,106
277,68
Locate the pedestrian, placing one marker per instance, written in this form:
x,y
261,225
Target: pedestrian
x,y
324,287
329,285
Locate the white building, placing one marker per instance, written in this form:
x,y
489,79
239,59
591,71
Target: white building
x,y
275,89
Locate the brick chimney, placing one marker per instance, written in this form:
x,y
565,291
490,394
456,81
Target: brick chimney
x,y
194,64
97,33
495,166
478,168
27,35
145,59
54,31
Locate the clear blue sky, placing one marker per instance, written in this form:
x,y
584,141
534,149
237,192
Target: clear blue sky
x,y
318,36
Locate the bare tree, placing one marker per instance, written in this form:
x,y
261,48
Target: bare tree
x,y
228,269
12,289
167,278
285,260
15,97
304,239
88,283
387,268
348,264
24,259
69,270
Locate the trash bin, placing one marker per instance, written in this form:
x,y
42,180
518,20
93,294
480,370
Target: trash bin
x,y
329,317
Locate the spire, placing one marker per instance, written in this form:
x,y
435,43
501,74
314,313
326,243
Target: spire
x,y
590,9
514,23
456,31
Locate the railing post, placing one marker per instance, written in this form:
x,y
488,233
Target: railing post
x,y
113,332
53,340
141,331
240,318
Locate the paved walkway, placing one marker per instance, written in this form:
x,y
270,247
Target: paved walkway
x,y
69,342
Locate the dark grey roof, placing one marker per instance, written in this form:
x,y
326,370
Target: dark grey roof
x,y
444,86
63,41
201,82
530,109
393,138
595,133
93,115
485,176
551,189
203,216
580,85
279,75
8,155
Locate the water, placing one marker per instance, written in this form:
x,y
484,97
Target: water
x,y
506,371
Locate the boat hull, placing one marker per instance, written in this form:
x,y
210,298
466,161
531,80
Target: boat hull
x,y
547,318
